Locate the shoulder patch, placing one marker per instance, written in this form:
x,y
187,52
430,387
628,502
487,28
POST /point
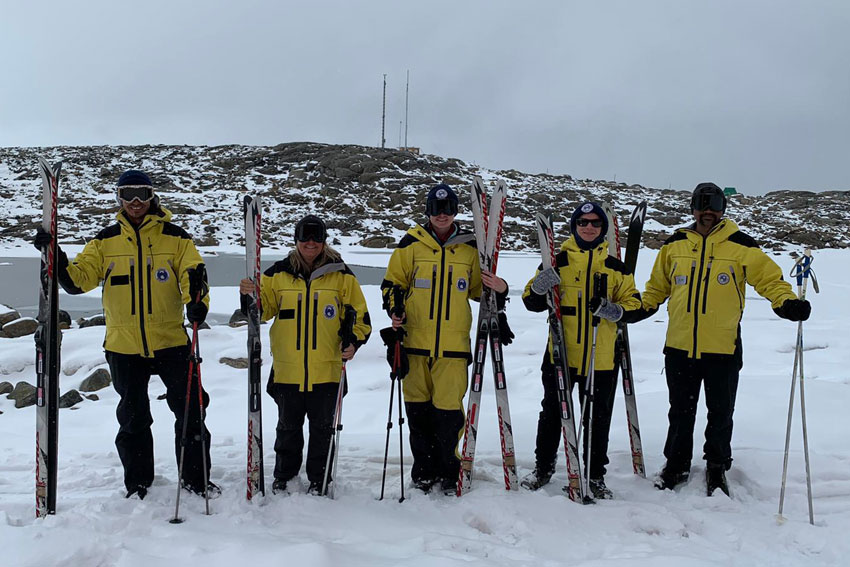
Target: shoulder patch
x,y
613,263
109,232
407,240
675,238
562,259
743,239
171,229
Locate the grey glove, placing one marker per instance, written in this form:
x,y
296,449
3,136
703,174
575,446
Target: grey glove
x,y
545,280
604,309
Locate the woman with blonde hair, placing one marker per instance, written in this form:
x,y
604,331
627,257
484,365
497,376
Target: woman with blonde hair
x,y
307,294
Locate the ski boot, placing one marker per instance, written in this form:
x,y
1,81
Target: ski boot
x,y
715,477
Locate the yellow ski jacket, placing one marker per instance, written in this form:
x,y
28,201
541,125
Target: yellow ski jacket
x,y
576,268
705,278
307,313
144,270
438,281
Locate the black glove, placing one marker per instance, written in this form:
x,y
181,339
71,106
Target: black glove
x,y
794,310
391,337
506,336
42,239
198,286
196,312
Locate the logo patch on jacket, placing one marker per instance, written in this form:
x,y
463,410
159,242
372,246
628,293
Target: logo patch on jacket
x,y
681,280
722,278
162,275
330,311
461,284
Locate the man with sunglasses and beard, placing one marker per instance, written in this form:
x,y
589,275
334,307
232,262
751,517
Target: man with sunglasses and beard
x,y
581,257
703,269
436,266
150,269
307,294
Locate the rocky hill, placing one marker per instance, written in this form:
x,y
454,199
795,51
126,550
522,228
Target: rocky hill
x,y
368,195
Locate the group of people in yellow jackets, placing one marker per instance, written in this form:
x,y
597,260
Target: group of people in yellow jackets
x,y
150,270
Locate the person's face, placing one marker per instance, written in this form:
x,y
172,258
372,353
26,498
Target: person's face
x,y
707,219
309,250
441,222
588,232
135,209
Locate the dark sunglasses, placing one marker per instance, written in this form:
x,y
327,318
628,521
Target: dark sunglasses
x,y
713,201
436,207
596,223
143,193
311,231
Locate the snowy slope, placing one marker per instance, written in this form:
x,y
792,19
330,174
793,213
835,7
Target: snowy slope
x,y
96,526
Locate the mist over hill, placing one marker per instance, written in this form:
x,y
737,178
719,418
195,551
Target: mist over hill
x,y
368,196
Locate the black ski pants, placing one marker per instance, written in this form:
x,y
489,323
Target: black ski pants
x,y
292,406
549,422
130,377
719,374
434,436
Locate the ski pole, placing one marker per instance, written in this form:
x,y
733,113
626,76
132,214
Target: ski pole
x,y
197,358
394,376
389,427
346,332
801,271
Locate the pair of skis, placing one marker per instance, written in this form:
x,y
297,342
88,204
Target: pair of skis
x,y
256,484
622,350
48,339
487,220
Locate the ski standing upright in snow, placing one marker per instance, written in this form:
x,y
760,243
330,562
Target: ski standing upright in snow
x,y
252,209
488,236
47,343
574,488
622,349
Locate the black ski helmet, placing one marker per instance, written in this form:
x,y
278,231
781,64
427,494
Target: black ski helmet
x,y
708,196
312,228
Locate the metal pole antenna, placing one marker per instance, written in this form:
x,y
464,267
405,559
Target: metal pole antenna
x,y
384,115
406,94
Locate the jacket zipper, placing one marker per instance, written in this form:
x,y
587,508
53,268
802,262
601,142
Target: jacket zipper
x,y
440,300
433,289
132,287
737,290
696,295
150,299
141,292
582,307
298,325
449,293
706,279
315,317
579,312
306,323
691,284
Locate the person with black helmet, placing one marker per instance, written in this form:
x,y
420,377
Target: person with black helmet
x,y
703,269
436,266
150,269
306,294
583,255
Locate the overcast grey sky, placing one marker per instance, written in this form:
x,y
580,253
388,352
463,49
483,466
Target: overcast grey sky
x,y
753,94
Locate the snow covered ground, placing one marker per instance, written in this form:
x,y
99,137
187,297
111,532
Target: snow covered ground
x,y
95,526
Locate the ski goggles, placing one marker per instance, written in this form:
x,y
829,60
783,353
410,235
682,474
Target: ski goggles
x,y
143,193
706,201
437,207
311,231
595,223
